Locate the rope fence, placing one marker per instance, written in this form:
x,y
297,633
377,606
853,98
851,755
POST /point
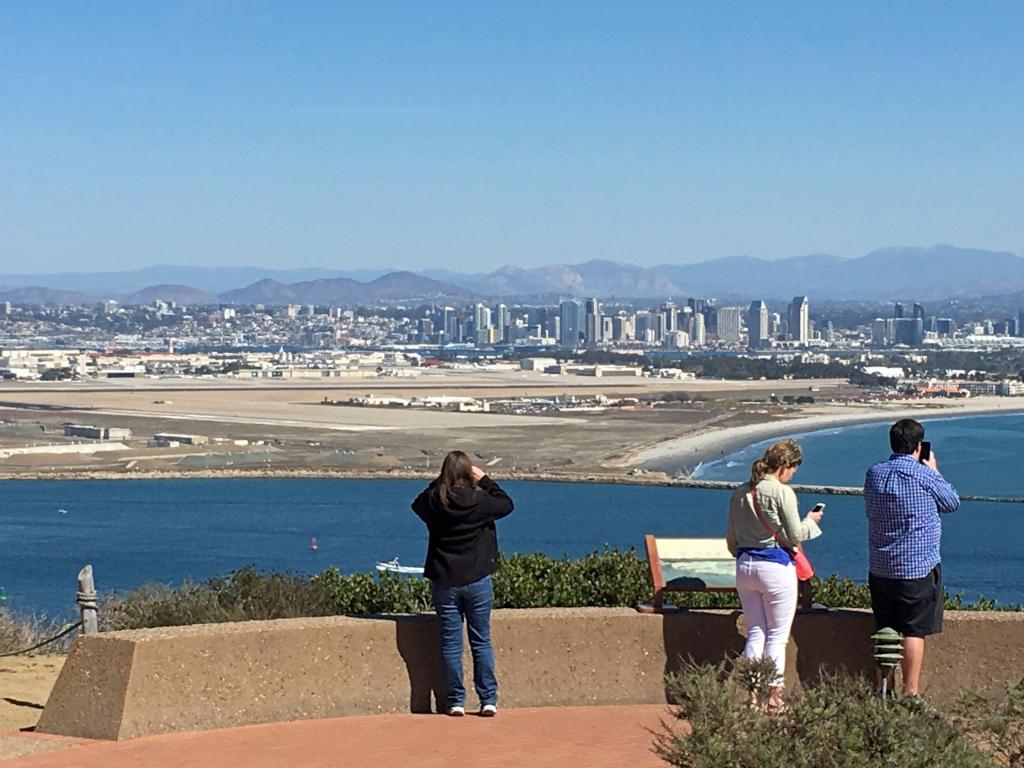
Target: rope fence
x,y
89,624
65,631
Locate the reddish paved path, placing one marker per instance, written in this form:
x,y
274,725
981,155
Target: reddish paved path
x,y
596,737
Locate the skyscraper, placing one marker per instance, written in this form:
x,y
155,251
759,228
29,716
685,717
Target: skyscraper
x,y
757,325
909,331
481,325
570,323
668,309
918,311
727,321
504,320
897,310
883,331
593,326
697,337
644,322
799,320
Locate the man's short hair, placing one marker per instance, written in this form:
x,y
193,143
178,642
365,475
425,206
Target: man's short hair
x,y
905,435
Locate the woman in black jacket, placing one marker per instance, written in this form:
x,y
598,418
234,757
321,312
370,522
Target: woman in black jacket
x,y
460,508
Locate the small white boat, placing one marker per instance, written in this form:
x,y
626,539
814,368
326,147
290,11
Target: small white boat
x,y
392,566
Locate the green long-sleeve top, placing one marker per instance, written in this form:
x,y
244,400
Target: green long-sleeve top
x,y
779,507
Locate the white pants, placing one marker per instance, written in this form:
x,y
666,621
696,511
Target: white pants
x,y
768,594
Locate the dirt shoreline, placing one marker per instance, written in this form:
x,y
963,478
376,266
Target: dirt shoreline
x,y
642,465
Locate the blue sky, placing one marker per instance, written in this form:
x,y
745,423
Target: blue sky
x,y
471,135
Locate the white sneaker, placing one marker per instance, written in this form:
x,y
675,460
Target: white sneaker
x,y
488,710
456,711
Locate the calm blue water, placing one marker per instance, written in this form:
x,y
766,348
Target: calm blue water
x,y
139,531
980,455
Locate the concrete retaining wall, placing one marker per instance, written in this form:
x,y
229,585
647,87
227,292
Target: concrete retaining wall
x,y
122,685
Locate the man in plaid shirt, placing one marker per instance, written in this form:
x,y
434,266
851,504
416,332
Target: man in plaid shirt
x,y
903,498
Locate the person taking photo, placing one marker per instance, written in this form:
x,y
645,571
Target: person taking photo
x,y
903,498
460,508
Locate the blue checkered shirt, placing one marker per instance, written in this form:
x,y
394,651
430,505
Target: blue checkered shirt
x,y
903,499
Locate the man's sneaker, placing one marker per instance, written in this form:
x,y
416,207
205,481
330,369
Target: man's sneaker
x,y
456,711
488,710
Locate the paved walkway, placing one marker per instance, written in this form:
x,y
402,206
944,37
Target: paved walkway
x,y
551,737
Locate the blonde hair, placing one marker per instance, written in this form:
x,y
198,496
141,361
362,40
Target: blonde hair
x,y
784,453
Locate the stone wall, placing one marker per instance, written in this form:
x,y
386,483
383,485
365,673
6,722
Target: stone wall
x,y
122,685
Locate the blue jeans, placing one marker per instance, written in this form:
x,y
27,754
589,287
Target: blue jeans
x,y
472,602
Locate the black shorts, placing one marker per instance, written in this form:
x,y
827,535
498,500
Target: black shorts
x,y
913,607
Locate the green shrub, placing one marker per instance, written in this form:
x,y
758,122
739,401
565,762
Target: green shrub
x,y
602,579
245,595
995,722
837,723
361,594
609,578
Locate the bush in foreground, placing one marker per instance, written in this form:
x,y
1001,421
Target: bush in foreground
x,y
609,578
837,723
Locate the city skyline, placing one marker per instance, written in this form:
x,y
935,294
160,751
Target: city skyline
x,y
339,135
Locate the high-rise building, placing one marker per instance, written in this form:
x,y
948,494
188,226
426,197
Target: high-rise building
x,y
883,331
710,318
668,309
677,340
944,326
830,333
1020,323
799,320
757,325
643,323
593,327
897,310
909,331
696,305
571,324
481,325
918,311
5,309
622,327
503,322
697,338
728,323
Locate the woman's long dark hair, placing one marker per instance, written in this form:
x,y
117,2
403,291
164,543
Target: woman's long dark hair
x,y
456,472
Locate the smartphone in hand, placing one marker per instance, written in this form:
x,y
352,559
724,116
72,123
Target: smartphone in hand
x,y
819,507
926,451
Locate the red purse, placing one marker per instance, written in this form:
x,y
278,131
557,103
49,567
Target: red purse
x,y
804,569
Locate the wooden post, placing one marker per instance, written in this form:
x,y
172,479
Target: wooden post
x,y
87,601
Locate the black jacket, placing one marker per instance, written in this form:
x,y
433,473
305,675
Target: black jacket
x,y
463,544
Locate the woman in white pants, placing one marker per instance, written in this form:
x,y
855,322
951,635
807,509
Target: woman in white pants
x,y
762,543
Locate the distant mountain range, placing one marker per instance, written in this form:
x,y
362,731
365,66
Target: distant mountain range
x,y
926,274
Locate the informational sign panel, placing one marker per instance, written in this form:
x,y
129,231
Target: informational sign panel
x,y
687,565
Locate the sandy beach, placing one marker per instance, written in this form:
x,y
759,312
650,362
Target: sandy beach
x,y
287,431
709,443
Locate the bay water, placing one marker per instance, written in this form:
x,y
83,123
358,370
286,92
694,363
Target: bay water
x,y
165,531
